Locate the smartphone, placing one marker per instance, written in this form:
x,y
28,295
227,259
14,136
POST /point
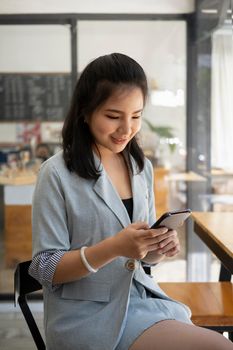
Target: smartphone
x,y
172,219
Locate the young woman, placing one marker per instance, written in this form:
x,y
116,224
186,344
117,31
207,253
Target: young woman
x,y
92,209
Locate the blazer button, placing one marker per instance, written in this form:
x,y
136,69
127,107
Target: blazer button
x,y
130,265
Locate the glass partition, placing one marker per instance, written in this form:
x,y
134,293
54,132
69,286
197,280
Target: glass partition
x,y
210,125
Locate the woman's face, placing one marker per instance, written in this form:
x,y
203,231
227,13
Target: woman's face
x,y
118,120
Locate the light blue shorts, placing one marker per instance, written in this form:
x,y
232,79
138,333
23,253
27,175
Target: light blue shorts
x,y
145,310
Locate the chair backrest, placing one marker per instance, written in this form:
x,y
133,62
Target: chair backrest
x,y
24,284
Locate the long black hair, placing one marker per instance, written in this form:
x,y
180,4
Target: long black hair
x,y
96,84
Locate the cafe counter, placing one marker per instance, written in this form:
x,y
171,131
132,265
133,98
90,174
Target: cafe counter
x,y
17,197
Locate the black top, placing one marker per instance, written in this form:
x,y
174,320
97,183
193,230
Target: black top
x,y
128,203
129,207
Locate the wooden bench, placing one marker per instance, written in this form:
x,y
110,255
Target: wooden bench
x,y
211,303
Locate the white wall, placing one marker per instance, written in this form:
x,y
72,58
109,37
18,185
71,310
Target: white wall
x,y
96,6
28,48
159,46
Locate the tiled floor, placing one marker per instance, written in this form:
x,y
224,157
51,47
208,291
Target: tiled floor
x,y
14,333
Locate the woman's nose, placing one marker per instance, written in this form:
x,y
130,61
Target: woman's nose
x,y
125,128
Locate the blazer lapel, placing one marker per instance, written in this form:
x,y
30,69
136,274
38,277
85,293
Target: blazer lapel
x,y
140,193
105,190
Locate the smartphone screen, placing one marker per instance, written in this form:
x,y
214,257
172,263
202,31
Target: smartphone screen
x,y
173,219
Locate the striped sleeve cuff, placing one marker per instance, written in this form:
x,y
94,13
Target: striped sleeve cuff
x,y
43,267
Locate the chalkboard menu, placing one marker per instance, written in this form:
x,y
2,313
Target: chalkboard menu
x,y
34,96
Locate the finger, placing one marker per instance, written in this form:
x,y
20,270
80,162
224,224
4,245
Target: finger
x,y
174,232
160,239
160,231
167,240
140,225
154,247
168,247
157,232
146,234
173,252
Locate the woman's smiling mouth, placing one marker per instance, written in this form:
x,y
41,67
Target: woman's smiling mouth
x,y
118,140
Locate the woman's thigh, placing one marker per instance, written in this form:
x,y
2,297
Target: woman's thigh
x,y
175,335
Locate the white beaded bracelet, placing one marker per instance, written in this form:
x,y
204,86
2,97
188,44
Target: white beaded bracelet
x,y
85,262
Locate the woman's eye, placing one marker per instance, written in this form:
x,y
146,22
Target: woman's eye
x,y
111,117
136,117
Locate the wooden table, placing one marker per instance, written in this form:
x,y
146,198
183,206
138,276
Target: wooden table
x,y
21,179
221,172
216,230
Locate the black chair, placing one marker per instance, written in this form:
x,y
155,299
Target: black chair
x,y
24,284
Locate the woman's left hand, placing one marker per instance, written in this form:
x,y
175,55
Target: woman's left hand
x,y
169,246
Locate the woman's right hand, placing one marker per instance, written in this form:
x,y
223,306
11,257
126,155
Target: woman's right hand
x,y
134,242
137,239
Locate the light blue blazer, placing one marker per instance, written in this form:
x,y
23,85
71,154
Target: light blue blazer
x,y
70,212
